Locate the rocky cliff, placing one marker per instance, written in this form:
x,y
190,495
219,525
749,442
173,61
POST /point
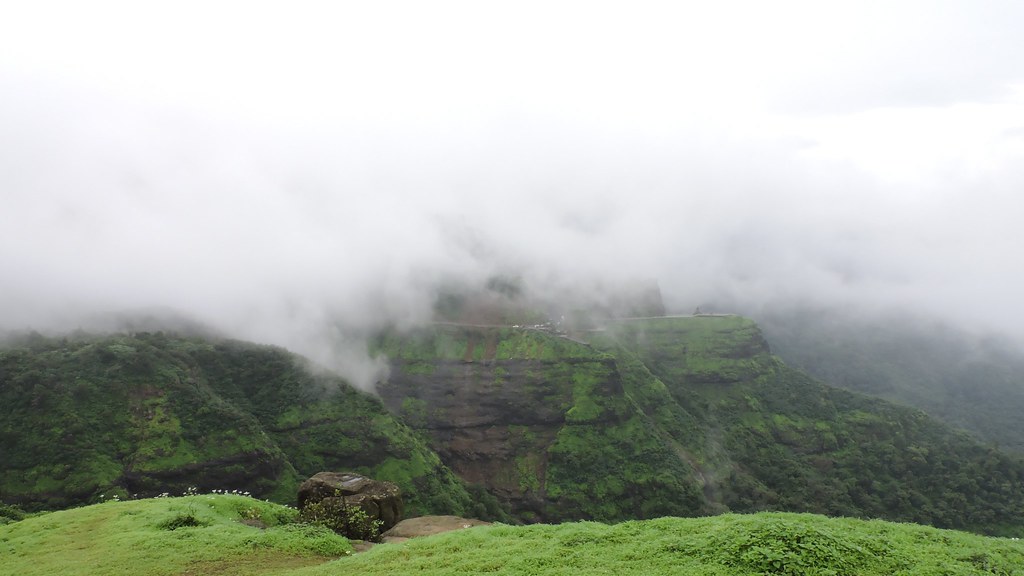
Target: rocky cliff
x,y
685,415
541,420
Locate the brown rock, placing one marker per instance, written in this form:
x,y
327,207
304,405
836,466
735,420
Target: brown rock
x,y
428,526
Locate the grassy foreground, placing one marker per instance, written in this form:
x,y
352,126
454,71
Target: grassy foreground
x,y
203,534
729,545
136,538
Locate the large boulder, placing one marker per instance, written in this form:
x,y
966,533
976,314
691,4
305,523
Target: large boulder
x,y
380,500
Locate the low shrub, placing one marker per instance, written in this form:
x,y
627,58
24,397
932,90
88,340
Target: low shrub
x,y
350,521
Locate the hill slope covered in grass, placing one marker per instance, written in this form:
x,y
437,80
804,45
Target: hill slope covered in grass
x,y
731,545
201,534
136,538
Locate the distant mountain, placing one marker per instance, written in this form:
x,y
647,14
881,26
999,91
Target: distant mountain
x,y
681,416
771,437
638,418
967,381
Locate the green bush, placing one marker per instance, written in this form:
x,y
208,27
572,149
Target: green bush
x,y
791,548
350,521
10,513
187,519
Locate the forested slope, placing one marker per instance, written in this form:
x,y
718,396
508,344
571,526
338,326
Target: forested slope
x,y
152,413
682,415
971,382
771,437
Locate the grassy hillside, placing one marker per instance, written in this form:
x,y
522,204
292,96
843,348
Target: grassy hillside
x,y
208,534
653,417
762,544
135,538
150,413
973,383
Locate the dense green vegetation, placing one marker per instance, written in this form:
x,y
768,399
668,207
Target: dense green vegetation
x,y
150,413
967,381
563,440
652,417
683,416
218,534
772,438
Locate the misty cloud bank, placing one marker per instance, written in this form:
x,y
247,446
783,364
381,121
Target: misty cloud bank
x,y
304,177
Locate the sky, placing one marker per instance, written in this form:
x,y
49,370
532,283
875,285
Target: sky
x,y
300,173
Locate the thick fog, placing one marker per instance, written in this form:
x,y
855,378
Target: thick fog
x,y
301,173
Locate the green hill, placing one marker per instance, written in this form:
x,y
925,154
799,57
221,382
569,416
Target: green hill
x,y
642,419
201,534
766,544
974,383
152,413
772,438
228,534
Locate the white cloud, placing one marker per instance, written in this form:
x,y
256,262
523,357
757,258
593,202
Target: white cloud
x,y
273,168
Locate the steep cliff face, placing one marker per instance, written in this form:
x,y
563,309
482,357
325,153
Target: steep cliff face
x,y
540,420
685,415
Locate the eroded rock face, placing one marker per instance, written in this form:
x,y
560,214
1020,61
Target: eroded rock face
x,y
494,422
379,499
539,419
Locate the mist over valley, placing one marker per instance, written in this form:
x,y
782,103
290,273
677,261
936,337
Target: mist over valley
x,y
539,263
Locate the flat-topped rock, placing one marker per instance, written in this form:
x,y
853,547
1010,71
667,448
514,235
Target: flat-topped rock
x,y
428,526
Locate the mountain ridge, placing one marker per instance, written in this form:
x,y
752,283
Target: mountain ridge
x,y
676,416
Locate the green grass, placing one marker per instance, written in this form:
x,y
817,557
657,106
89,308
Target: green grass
x,y
731,545
134,538
192,534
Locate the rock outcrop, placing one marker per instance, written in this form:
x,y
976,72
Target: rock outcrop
x,y
380,500
538,419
